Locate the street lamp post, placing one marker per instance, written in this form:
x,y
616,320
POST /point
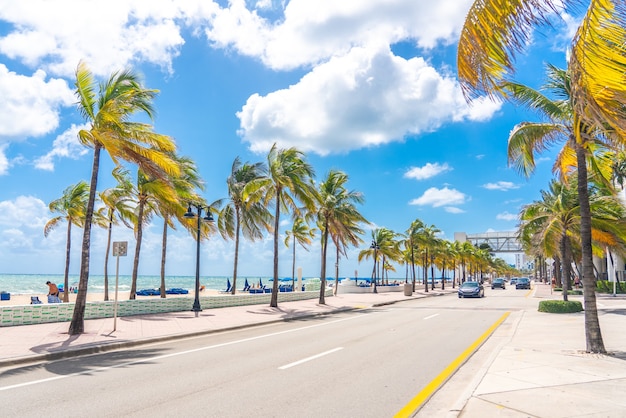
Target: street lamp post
x,y
376,247
209,218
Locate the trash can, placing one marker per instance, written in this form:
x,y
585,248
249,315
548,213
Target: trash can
x,y
408,289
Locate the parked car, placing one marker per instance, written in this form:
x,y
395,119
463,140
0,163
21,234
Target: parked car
x,y
522,283
498,283
513,281
471,290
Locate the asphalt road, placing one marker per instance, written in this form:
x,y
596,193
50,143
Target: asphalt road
x,y
367,363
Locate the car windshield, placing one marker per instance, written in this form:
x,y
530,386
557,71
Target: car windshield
x,y
470,284
522,280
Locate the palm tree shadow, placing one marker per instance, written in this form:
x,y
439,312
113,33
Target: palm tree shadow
x,y
89,365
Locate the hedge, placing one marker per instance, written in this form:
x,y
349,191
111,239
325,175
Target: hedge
x,y
560,306
605,286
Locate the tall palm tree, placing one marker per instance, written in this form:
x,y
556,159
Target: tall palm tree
x,y
242,214
412,241
289,180
302,234
337,216
71,206
494,31
151,193
117,207
185,188
108,113
384,246
581,144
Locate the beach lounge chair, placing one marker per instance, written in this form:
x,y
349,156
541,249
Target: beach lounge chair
x,y
34,300
229,288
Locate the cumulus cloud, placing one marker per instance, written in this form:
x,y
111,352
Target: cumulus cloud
x,y
506,216
440,197
501,185
427,171
311,32
24,212
56,35
367,97
65,145
4,161
30,104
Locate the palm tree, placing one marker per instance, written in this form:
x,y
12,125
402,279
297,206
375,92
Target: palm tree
x,y
337,217
288,181
581,143
108,114
494,31
411,243
151,194
241,214
71,206
185,188
384,246
302,234
117,206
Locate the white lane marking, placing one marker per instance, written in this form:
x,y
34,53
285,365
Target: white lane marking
x,y
180,353
304,360
431,316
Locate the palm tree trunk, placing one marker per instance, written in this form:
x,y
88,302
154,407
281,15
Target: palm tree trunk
x,y
77,325
274,298
163,255
66,295
133,283
237,232
565,257
336,271
322,300
293,265
106,258
595,344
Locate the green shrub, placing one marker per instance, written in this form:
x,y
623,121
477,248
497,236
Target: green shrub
x,y
560,306
606,286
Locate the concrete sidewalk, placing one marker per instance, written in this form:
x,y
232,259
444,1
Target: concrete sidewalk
x,y
533,365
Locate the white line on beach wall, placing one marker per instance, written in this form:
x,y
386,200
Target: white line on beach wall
x,y
304,360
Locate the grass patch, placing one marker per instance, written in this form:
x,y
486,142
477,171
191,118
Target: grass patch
x,y
560,306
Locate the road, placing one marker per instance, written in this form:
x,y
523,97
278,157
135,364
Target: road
x,y
367,363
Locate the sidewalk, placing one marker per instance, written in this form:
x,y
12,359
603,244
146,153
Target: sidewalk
x,y
533,365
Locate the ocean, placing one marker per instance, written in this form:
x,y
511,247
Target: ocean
x,y
36,283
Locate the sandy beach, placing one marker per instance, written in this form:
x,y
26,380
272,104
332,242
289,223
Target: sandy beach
x,y
20,299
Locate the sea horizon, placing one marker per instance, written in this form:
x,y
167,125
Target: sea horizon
x,y
28,284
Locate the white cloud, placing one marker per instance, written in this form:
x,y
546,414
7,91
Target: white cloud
x,y
55,35
427,171
501,185
312,32
4,162
30,105
24,212
440,197
65,145
506,216
452,209
367,97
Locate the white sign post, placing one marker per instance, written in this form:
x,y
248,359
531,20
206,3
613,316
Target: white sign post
x,y
119,250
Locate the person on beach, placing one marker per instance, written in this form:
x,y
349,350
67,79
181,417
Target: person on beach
x,y
53,289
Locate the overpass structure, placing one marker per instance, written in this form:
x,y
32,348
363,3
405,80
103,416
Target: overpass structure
x,y
499,242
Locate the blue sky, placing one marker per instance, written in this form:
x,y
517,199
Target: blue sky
x,y
366,87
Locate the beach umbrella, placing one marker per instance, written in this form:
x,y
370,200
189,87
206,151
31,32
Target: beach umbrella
x,y
260,283
246,285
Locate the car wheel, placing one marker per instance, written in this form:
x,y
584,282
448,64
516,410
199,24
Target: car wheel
x,y
460,296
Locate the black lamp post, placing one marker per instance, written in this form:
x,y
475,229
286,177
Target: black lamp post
x,y
209,218
376,247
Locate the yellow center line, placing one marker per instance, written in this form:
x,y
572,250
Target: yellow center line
x,y
430,388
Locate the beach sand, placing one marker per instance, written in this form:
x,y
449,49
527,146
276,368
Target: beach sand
x,y
21,299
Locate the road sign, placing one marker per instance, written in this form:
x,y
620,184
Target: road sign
x,y
119,248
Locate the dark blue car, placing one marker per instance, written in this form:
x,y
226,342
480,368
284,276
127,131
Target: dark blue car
x,y
471,290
